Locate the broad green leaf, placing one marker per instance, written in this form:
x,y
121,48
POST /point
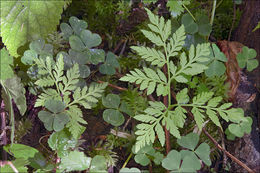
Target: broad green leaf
x,y
60,120
190,163
6,70
98,164
236,130
28,57
97,56
23,21
47,118
17,92
189,141
190,26
75,161
78,57
130,170
19,164
246,58
172,161
21,151
84,71
62,142
203,151
113,117
142,156
66,30
89,39
111,101
76,43
142,159
77,25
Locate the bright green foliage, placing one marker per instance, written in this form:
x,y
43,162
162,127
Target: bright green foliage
x,y
187,160
113,114
146,153
19,164
65,85
98,164
246,58
6,70
130,170
21,151
62,142
216,62
75,161
176,6
29,21
180,70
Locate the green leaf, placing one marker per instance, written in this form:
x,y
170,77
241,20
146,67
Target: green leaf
x,y
19,164
36,19
182,96
111,101
75,161
257,27
54,106
246,58
113,117
62,142
6,70
202,98
178,116
189,141
16,90
21,151
213,116
176,7
77,25
150,55
198,116
203,151
110,64
190,26
190,163
97,56
216,65
98,164
204,25
172,161
129,170
142,156
76,43
89,39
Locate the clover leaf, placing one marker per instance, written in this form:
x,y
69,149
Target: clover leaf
x,y
240,128
190,26
216,61
246,58
110,64
204,27
187,160
98,164
55,119
97,56
112,115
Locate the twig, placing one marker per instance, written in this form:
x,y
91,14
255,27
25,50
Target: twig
x,y
227,153
3,137
114,86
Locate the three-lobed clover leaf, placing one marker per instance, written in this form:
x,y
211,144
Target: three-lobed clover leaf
x,y
98,164
216,62
240,128
110,64
204,25
112,115
54,119
129,170
187,160
246,58
190,26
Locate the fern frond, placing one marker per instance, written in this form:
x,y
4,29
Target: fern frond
x,y
70,80
150,55
58,69
88,96
176,42
74,125
147,80
154,38
48,94
45,82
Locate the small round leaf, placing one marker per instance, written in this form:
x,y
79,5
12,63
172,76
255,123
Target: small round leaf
x,y
113,117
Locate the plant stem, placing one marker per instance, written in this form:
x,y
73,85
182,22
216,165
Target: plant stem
x,y
213,12
189,12
127,160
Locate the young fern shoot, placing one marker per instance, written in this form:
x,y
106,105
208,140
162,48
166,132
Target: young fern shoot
x,y
168,52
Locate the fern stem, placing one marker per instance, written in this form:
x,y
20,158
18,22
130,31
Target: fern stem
x,y
127,160
213,12
189,12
